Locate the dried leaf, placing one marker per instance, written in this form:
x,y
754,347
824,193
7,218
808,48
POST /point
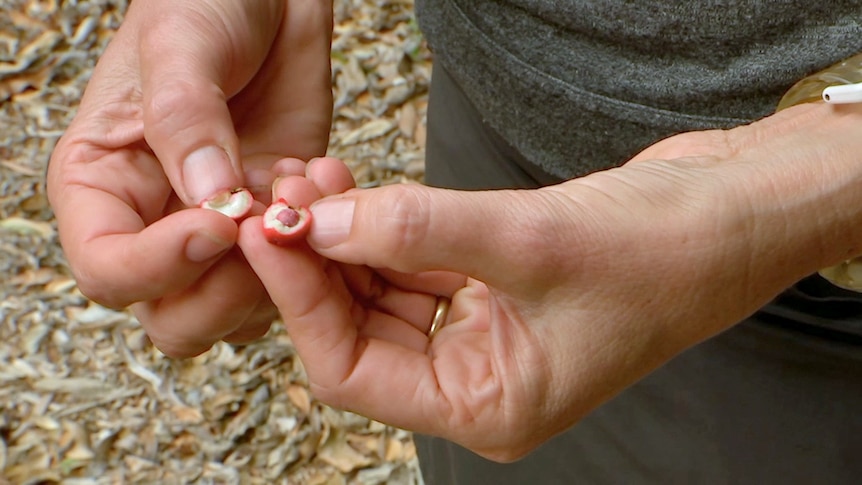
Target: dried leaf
x,y
188,415
394,450
300,398
72,385
368,131
26,226
338,453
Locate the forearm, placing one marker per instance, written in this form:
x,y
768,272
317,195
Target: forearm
x,y
803,174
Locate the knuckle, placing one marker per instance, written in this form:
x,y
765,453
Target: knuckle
x,y
245,336
509,451
709,143
177,349
153,38
312,18
504,456
700,143
172,29
406,221
98,292
171,340
168,108
331,395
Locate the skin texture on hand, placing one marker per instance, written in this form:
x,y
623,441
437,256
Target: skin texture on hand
x,y
241,84
563,296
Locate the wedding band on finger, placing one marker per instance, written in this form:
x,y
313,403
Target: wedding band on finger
x,y
440,313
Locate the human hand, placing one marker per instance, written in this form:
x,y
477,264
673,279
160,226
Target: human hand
x,y
570,293
190,98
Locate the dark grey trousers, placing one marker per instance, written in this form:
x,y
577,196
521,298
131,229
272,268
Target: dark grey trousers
x,y
775,400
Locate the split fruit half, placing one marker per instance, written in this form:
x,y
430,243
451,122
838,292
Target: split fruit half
x,y
284,224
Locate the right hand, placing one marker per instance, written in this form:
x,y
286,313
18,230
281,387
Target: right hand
x,y
189,99
567,294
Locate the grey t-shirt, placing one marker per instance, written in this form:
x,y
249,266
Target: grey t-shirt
x,y
582,85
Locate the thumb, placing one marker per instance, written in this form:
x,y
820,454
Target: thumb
x,y
500,237
193,58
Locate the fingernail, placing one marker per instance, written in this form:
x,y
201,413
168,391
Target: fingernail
x,y
203,246
275,184
332,221
206,171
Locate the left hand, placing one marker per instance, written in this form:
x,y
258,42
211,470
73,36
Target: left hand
x,y
563,296
250,80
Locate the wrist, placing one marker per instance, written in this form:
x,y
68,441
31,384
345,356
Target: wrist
x,y
804,185
840,83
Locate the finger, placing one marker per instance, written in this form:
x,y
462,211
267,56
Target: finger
x,y
330,175
289,166
343,366
368,287
467,304
499,237
383,326
118,260
443,283
296,190
287,107
256,326
259,175
217,305
193,57
298,284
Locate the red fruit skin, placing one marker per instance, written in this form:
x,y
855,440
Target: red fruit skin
x,y
295,234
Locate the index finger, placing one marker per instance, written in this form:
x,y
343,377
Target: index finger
x,y
342,363
194,56
105,210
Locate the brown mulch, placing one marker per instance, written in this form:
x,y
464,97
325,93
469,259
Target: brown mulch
x,y
84,396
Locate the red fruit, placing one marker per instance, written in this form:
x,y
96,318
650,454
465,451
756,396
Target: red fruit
x,y
284,224
234,203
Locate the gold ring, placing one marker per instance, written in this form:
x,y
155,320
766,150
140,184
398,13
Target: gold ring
x,y
440,314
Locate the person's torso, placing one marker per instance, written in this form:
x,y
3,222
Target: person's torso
x,y
581,85
649,67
